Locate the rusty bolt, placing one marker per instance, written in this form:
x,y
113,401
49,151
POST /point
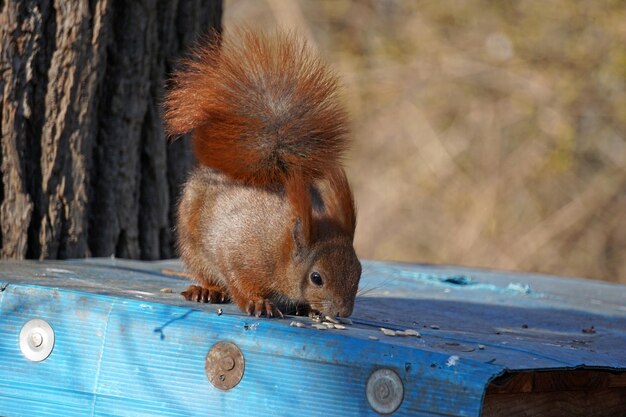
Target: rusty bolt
x,y
224,365
227,363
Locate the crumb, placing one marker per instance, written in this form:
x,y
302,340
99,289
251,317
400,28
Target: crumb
x,y
452,361
589,330
388,332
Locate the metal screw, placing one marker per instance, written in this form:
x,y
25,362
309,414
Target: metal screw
x,y
35,340
227,363
384,391
224,365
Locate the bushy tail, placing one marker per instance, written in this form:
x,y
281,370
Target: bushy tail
x,y
263,109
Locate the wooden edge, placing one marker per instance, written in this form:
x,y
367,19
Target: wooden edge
x,y
551,381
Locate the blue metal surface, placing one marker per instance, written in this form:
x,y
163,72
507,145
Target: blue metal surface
x,y
123,347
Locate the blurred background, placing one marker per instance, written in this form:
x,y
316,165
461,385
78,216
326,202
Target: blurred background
x,y
485,133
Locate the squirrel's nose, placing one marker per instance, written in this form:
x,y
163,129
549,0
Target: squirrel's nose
x,y
341,309
345,310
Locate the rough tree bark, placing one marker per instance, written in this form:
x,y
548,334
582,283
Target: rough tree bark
x,y
86,168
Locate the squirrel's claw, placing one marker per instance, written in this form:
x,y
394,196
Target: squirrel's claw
x,y
213,295
260,306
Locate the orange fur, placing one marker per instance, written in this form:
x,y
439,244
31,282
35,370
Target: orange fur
x,y
262,108
340,205
266,119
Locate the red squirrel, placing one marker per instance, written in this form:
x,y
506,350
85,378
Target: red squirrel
x,y
267,219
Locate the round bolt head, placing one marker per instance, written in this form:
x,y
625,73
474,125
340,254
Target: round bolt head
x,y
227,363
224,365
36,340
384,391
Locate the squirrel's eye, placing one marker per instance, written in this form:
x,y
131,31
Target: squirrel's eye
x,y
316,279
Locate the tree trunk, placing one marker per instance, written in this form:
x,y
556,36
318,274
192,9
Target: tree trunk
x,y
86,167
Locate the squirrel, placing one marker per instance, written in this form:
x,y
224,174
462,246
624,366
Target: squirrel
x,y
267,218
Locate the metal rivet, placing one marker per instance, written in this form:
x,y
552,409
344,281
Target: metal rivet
x,y
36,340
224,365
384,391
227,363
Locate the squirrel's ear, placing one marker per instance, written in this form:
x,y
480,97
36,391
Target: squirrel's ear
x,y
297,189
340,201
299,238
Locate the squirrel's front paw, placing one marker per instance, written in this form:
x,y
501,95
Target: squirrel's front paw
x,y
260,306
213,295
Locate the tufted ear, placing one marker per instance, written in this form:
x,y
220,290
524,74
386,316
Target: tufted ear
x,y
339,203
297,190
299,240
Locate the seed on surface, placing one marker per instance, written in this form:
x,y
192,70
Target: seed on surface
x,y
388,332
167,290
315,317
372,337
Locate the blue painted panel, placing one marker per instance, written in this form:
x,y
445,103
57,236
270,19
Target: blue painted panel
x,y
152,363
70,368
126,348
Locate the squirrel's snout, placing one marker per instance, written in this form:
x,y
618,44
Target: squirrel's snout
x,y
345,310
337,309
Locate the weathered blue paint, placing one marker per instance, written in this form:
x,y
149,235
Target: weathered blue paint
x,y
125,348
